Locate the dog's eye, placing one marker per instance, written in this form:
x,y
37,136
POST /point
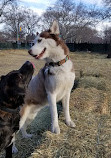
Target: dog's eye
x,y
39,40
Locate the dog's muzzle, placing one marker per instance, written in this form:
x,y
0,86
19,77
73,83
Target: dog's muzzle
x,y
39,55
30,51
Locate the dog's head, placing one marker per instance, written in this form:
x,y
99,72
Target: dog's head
x,y
49,44
13,85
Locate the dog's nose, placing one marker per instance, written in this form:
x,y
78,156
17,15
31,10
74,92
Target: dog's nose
x,y
29,63
30,52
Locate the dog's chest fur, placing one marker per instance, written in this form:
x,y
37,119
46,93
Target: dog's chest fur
x,y
57,80
60,81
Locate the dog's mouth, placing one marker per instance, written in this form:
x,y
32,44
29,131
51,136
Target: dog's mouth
x,y
37,56
41,54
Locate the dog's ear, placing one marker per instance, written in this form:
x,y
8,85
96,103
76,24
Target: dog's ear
x,y
55,28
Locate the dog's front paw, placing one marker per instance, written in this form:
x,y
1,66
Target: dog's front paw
x,y
55,130
70,123
14,149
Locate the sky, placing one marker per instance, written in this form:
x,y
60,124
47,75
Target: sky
x,y
39,6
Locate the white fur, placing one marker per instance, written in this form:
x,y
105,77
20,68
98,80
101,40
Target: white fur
x,y
14,149
55,28
29,114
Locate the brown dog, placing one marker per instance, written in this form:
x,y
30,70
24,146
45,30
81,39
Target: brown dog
x,y
12,91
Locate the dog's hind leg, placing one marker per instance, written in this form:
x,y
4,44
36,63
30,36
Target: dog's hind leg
x,y
23,130
65,103
28,113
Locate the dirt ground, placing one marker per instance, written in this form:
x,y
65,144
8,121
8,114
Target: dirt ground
x,y
90,107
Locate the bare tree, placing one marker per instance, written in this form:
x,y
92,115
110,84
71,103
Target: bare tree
x,y
107,38
107,3
31,23
107,34
20,21
72,17
107,15
87,34
3,4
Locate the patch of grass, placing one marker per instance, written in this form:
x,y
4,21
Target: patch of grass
x,y
90,108
90,73
96,82
13,59
90,100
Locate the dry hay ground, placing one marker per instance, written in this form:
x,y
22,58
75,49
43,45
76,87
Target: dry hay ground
x,y
90,107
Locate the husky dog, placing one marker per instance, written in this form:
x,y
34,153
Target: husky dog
x,y
53,82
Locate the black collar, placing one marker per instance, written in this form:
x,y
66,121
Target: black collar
x,y
59,63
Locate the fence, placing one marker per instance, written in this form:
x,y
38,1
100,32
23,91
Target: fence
x,y
93,47
100,48
15,45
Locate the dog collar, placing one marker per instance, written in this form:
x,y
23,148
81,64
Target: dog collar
x,y
59,63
